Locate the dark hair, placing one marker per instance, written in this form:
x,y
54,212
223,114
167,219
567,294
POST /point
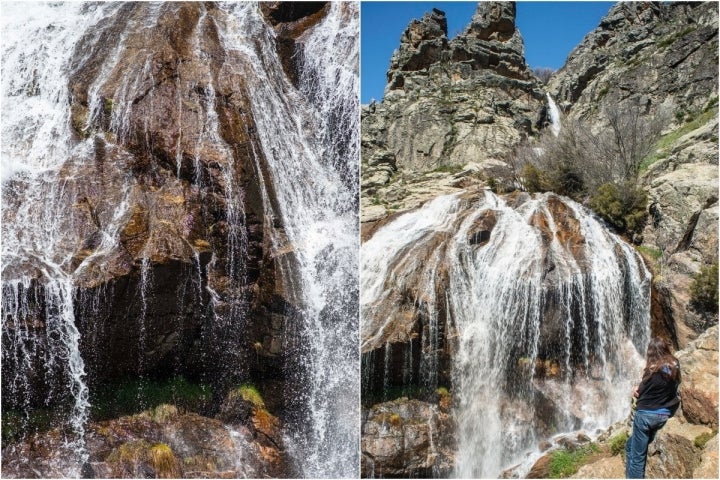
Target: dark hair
x,y
660,359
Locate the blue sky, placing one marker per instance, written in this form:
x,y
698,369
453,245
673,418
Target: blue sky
x,y
550,30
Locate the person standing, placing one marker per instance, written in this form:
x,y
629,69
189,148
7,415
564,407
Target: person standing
x,y
657,401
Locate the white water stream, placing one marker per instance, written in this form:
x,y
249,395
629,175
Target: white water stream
x,y
299,139
555,124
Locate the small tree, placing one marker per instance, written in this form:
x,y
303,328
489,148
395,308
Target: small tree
x,y
543,73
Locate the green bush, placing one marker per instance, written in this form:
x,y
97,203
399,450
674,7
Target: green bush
x,y
622,206
534,179
250,394
704,290
617,443
564,463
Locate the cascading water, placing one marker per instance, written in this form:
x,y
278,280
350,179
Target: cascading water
x,y
37,235
555,125
301,140
546,312
114,119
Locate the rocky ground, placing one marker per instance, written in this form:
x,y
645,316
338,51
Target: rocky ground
x,y
244,441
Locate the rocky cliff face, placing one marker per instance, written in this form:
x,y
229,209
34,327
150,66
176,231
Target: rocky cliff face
x,y
448,103
660,59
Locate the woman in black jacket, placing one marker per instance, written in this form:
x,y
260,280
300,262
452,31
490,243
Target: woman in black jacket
x,y
657,400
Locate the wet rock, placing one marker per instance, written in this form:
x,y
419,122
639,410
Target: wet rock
x,y
166,187
407,438
159,443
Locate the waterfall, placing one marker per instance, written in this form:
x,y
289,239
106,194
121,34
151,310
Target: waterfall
x,y
38,319
301,141
554,116
302,136
546,313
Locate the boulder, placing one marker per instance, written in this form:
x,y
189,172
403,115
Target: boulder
x,y
699,387
158,443
407,438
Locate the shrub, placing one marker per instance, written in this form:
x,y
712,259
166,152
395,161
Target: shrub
x,y
622,206
704,290
543,73
617,443
534,179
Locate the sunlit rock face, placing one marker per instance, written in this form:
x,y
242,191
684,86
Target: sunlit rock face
x,y
179,196
447,103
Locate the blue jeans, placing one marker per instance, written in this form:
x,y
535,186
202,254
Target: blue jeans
x,y
645,426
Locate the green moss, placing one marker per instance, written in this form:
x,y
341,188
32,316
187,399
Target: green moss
x,y
135,395
164,461
250,394
603,91
670,39
564,463
442,391
108,106
664,145
617,443
713,102
394,419
702,439
16,424
651,252
164,412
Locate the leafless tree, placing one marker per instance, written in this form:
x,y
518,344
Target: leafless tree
x,y
543,73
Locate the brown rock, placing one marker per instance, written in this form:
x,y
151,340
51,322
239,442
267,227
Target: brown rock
x,y
699,387
708,467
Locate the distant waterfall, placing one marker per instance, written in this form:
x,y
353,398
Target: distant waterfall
x,y
555,125
546,312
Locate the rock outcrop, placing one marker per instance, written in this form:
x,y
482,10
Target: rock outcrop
x,y
642,54
686,447
448,103
165,227
408,438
